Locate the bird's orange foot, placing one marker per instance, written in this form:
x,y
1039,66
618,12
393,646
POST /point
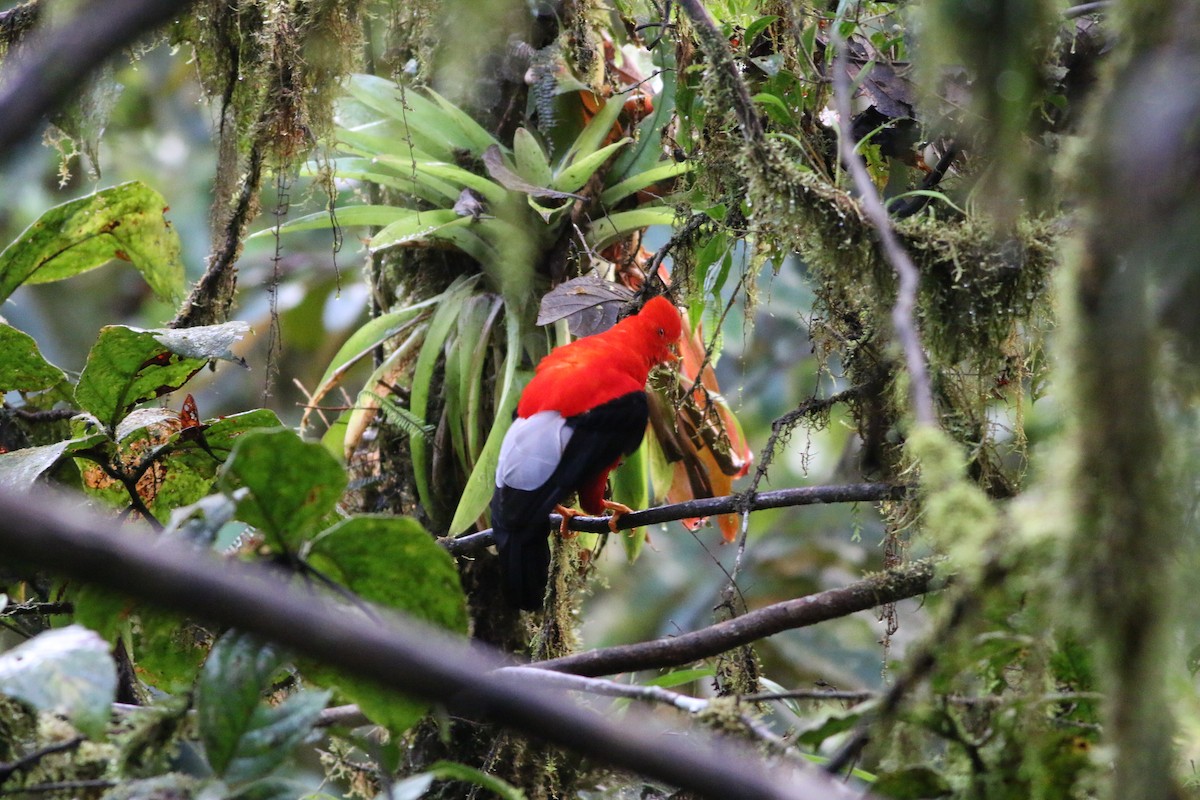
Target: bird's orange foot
x,y
618,510
564,527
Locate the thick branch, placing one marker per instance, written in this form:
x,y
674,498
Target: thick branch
x,y
887,587
40,530
705,507
54,65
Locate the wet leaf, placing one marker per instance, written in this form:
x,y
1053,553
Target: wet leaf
x,y
66,671
22,366
124,221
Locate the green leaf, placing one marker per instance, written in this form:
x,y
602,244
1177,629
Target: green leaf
x,y
606,230
294,485
631,486
776,108
482,481
22,366
574,176
426,187
66,671
413,226
20,469
363,342
394,562
592,137
639,181
532,163
346,216
830,723
758,26
124,222
678,677
128,366
422,381
244,738
474,133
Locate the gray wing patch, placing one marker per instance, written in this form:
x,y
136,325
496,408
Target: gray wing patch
x,y
532,450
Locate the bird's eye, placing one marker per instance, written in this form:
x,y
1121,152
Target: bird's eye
x,y
662,332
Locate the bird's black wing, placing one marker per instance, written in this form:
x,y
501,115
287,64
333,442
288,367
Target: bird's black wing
x,y
519,517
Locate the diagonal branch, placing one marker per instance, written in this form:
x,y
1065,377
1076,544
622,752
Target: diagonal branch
x,y
705,507
909,580
54,65
40,530
909,278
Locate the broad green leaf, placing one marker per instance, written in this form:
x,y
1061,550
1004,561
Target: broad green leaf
x,y
606,230
363,342
413,226
475,133
22,366
125,222
679,677
244,738
639,181
574,176
346,216
427,126
488,189
423,376
426,187
128,366
294,485
531,158
631,486
20,469
482,481
830,723
592,137
505,174
775,107
67,671
395,563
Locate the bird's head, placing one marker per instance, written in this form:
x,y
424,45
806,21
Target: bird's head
x,y
661,327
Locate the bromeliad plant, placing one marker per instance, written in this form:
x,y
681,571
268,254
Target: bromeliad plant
x,y
509,207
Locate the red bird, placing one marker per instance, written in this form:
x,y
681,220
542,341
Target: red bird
x,y
584,410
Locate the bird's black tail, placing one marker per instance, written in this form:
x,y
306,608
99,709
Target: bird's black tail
x,y
524,566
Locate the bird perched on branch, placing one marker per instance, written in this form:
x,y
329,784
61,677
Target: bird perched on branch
x,y
584,410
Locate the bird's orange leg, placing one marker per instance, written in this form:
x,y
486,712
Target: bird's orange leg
x,y
618,510
568,514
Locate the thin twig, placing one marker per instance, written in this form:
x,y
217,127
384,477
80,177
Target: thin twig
x,y
909,278
29,760
60,786
606,688
919,665
909,580
705,507
36,609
